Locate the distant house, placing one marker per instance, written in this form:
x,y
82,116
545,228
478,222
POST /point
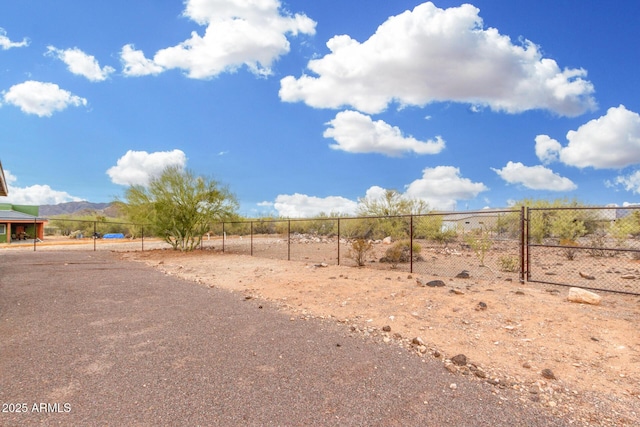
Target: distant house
x,y
465,222
19,222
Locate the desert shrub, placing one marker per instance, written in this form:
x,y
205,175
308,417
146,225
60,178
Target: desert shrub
x,y
623,229
569,251
393,255
431,227
568,225
444,237
546,220
480,242
359,250
597,243
66,227
264,226
376,228
396,227
401,252
281,227
323,226
509,224
509,264
354,228
237,228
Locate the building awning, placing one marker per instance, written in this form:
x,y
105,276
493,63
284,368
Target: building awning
x,y
4,190
15,216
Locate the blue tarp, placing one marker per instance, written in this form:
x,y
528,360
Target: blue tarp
x,y
113,236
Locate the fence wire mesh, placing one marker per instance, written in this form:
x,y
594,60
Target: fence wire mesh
x,y
483,244
591,248
93,234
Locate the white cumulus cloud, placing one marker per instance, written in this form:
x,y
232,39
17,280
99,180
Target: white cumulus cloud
x,y
431,54
41,99
81,64
547,149
135,64
441,187
358,133
6,43
534,177
238,33
35,194
303,206
628,182
608,142
138,167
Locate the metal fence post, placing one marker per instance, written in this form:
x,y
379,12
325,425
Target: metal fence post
x,y
35,232
224,236
95,230
411,243
251,245
338,241
289,240
527,220
523,241
142,236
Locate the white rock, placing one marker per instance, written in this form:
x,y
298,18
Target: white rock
x,y
583,296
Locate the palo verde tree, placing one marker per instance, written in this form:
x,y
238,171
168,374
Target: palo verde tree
x,y
179,206
393,204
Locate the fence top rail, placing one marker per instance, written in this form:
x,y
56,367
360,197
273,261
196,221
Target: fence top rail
x,y
575,208
484,212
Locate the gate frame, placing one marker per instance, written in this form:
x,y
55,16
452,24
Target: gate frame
x,y
528,244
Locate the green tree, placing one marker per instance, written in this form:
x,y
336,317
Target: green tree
x,y
480,241
179,206
392,203
389,210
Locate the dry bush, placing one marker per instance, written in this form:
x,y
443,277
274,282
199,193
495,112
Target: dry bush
x,y
570,250
509,264
401,252
359,250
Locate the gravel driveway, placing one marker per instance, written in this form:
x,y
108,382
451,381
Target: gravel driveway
x,y
88,339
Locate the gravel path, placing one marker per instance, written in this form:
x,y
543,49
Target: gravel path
x,y
87,339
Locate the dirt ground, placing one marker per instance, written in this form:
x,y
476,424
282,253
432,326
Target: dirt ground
x,y
568,357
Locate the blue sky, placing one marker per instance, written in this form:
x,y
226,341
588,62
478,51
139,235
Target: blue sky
x,y
304,107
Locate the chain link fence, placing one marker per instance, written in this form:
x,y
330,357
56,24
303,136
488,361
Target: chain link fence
x,y
592,248
92,234
589,247
482,244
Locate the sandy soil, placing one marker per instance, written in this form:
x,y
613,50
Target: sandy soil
x,y
509,332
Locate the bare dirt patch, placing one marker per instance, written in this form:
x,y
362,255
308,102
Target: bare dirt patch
x,y
513,335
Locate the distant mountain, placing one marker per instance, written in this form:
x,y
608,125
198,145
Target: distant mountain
x,y
78,208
